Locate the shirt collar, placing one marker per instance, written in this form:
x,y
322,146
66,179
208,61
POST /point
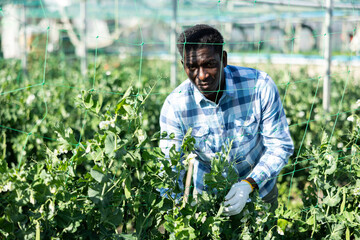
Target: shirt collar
x,y
229,87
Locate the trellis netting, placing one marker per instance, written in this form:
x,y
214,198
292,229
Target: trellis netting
x,y
67,64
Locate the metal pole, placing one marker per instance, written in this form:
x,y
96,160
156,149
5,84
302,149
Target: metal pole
x,y
327,57
23,54
173,45
83,38
308,4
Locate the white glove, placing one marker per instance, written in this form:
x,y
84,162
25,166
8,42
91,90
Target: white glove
x,y
237,197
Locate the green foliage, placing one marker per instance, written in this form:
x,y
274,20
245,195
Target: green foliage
x,y
79,159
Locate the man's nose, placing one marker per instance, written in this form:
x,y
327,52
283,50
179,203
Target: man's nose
x,y
202,75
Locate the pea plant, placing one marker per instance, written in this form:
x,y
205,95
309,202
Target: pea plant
x,y
102,187
331,199
105,185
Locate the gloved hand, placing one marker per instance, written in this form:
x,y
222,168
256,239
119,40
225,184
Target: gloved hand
x,y
236,199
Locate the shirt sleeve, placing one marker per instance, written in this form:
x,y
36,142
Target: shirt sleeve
x,y
275,132
170,123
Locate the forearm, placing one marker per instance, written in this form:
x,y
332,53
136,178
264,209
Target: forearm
x,y
269,166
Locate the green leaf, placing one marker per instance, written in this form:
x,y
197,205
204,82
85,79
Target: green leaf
x,y
311,220
88,101
129,109
220,211
97,175
110,144
127,188
332,169
333,200
94,195
347,234
6,226
349,216
155,136
119,105
337,231
282,223
141,136
92,192
97,107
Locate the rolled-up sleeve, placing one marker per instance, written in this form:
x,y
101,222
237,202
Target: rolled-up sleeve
x,y
275,132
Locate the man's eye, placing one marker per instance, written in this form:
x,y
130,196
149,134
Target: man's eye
x,y
192,68
211,65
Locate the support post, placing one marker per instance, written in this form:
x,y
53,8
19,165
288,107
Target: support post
x,y
82,46
173,45
327,57
24,47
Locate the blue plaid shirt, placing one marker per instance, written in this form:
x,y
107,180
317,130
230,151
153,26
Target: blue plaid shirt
x,y
249,113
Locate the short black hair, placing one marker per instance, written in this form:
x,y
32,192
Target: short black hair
x,y
200,36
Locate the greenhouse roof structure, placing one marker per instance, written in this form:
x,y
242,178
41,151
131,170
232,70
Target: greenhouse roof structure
x,y
191,11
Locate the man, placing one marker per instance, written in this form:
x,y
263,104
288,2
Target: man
x,y
224,103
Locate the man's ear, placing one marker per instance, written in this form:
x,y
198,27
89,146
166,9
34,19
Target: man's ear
x,y
224,58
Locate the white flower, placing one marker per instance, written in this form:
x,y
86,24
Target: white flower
x,y
8,187
350,118
79,95
105,124
52,189
56,152
357,191
280,231
38,141
62,150
301,114
108,73
52,207
41,209
340,145
203,219
32,199
247,237
329,157
288,120
358,103
30,99
141,138
88,149
258,221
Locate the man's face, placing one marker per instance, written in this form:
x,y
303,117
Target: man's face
x,y
205,69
